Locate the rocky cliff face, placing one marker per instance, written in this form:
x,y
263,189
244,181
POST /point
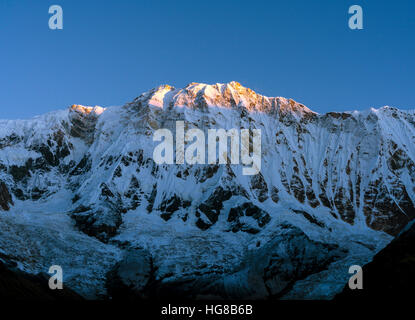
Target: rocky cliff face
x,y
334,187
5,198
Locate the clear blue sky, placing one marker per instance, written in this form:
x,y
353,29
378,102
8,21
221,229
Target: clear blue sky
x,y
111,51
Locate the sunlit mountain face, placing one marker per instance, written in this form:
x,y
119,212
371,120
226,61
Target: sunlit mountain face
x,y
80,188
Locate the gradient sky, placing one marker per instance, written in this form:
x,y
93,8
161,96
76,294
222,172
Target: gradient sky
x,y
109,52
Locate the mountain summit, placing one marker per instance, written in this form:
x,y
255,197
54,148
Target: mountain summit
x,y
80,189
231,95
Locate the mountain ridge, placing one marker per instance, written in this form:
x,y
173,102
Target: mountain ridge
x,y
196,89
335,187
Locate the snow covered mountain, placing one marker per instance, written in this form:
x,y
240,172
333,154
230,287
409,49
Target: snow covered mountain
x,y
79,188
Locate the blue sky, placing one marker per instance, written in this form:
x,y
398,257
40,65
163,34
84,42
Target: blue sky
x,y
111,51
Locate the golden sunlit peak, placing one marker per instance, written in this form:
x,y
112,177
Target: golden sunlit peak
x,y
235,84
87,110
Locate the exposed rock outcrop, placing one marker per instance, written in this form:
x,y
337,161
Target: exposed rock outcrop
x,y
5,197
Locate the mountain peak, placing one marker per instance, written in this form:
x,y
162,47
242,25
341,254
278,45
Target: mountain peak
x,y
230,95
84,110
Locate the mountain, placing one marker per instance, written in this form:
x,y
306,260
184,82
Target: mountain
x,y
80,188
